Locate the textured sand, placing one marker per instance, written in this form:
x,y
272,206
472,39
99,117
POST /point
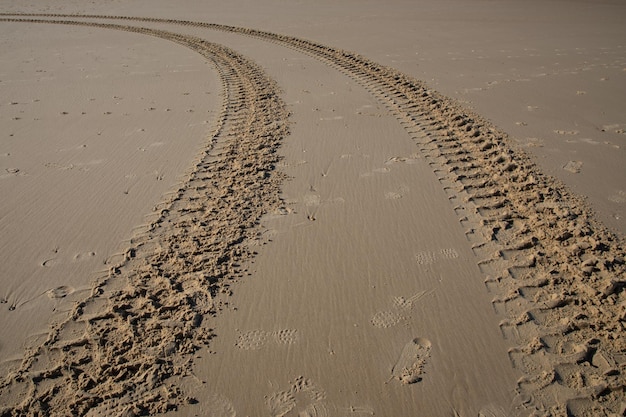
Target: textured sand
x,y
337,237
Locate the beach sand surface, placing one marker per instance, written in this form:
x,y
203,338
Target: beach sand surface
x,y
399,209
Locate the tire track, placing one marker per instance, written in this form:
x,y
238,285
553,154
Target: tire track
x,y
121,350
557,275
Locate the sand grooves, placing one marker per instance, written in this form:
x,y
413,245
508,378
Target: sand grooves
x,y
119,350
557,276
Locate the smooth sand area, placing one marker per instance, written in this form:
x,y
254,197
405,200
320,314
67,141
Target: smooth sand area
x,y
215,220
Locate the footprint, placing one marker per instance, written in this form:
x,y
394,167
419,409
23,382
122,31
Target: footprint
x,y
252,340
59,292
410,365
388,318
303,398
256,339
425,258
384,319
398,194
573,166
428,257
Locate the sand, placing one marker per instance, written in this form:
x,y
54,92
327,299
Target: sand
x,y
286,209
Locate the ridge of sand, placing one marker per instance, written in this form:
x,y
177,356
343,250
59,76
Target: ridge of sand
x,y
557,274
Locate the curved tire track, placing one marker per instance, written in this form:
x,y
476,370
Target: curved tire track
x,y
121,349
558,276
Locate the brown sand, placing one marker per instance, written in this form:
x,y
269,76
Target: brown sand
x,y
347,242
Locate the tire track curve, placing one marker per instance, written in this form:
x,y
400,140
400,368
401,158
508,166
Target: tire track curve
x,y
120,350
558,276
